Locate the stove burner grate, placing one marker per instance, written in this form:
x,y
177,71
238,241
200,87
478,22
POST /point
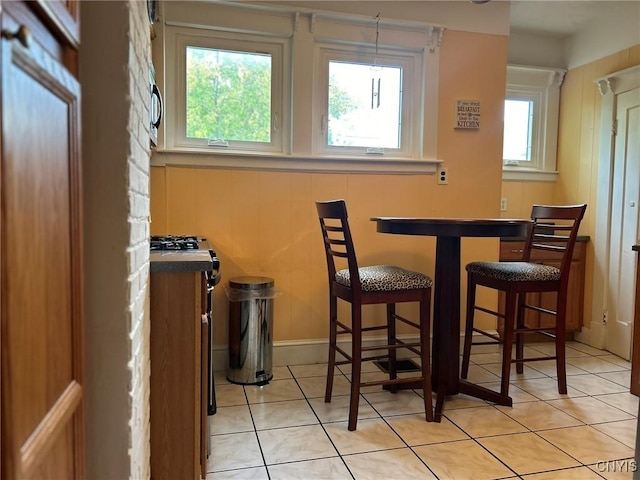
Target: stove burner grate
x,y
174,242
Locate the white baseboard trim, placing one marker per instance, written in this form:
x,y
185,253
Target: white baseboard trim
x,y
304,352
583,336
299,352
598,334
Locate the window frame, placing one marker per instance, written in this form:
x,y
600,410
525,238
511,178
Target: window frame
x,y
299,30
180,38
410,118
535,97
542,86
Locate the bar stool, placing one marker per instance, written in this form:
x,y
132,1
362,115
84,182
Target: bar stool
x,y
379,284
555,229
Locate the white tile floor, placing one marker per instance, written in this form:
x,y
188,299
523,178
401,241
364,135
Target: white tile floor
x,y
284,430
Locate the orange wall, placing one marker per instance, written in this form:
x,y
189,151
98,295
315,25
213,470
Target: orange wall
x,y
578,143
265,223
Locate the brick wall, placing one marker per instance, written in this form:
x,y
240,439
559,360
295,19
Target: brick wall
x,y
114,75
138,251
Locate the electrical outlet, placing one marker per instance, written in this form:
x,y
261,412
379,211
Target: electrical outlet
x,y
443,176
503,204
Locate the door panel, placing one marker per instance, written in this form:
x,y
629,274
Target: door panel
x,y
624,227
41,264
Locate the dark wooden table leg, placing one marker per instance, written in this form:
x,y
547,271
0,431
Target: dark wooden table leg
x,y
446,308
445,365
484,393
446,325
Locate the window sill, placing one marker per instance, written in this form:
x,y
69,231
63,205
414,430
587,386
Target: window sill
x,y
294,163
519,174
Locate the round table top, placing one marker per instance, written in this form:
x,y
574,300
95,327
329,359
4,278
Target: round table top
x,y
454,227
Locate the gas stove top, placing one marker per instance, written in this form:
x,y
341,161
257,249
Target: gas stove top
x,y
165,244
176,242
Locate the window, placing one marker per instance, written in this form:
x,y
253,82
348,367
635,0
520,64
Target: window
x,y
519,129
233,92
531,123
228,96
259,86
365,102
359,116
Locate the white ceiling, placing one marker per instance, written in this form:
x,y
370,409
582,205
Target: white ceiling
x,y
560,18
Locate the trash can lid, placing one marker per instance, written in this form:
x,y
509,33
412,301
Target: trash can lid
x,y
251,283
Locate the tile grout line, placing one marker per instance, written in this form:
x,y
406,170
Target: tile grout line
x,y
320,421
255,432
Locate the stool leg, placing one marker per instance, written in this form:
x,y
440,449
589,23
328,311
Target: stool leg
x,y
468,330
333,327
356,364
561,367
391,340
509,319
519,335
425,354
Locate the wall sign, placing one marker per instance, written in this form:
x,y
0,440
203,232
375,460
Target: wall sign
x,y
467,114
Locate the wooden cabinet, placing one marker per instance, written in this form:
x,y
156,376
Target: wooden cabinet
x,y
179,355
40,239
511,250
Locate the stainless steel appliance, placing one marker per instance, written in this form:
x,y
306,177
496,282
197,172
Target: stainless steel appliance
x,y
193,242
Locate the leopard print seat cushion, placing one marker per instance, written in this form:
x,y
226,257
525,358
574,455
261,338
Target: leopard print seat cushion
x,y
381,278
515,271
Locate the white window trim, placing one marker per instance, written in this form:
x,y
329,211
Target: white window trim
x,y
411,119
543,85
286,23
416,41
179,38
534,96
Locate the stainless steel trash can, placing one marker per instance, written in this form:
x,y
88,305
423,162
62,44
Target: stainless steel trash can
x,y
250,330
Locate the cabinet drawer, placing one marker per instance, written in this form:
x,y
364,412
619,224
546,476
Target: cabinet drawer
x,y
511,251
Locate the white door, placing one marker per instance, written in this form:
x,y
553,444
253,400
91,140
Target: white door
x,y
624,224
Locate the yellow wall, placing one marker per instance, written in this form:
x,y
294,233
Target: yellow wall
x,y
265,223
578,143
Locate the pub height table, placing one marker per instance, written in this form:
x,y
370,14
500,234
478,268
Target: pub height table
x,y
445,365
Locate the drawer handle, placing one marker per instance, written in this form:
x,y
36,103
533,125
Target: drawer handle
x,y
517,251
22,35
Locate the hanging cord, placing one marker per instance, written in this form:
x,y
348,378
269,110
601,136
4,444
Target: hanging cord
x,y
376,63
376,66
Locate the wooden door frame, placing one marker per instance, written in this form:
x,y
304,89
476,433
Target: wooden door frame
x,y
610,86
